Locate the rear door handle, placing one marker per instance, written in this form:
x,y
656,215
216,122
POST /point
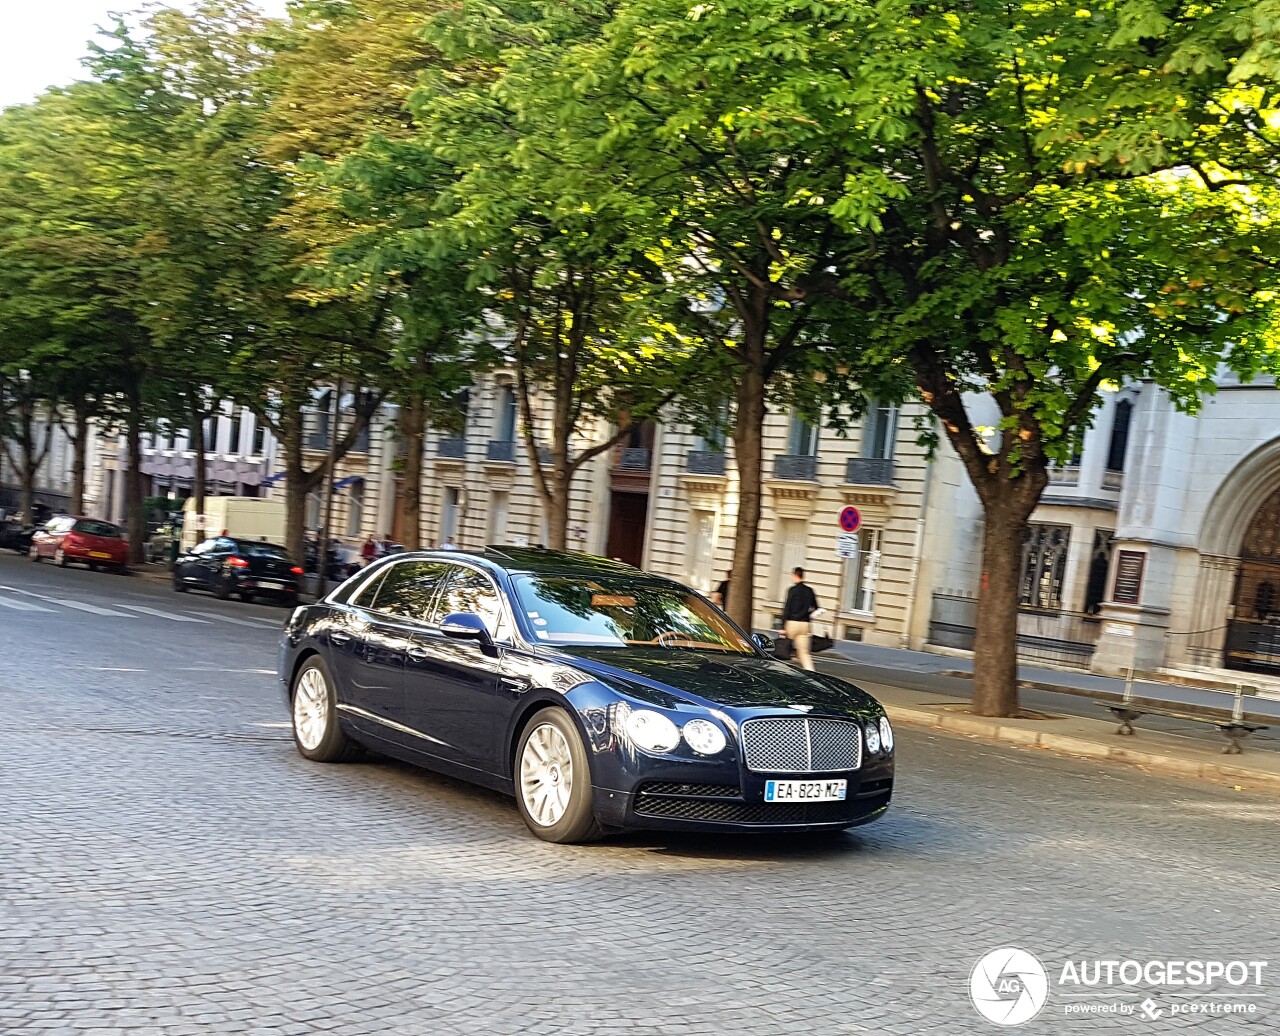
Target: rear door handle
x,y
338,637
418,653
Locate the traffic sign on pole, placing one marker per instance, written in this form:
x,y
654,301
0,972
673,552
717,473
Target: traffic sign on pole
x,y
847,545
850,519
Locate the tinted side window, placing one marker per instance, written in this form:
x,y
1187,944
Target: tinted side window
x,y
469,591
407,588
92,528
364,597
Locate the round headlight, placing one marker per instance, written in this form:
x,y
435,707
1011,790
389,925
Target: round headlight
x,y
652,731
704,737
873,738
886,734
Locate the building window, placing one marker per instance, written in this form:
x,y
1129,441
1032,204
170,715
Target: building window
x,y
789,552
1044,566
507,412
313,510
449,516
324,417
1099,565
1119,435
802,438
701,549
211,435
355,508
496,532
233,444
259,439
879,430
862,572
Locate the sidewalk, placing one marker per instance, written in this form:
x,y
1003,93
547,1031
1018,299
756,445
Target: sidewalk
x,y
929,691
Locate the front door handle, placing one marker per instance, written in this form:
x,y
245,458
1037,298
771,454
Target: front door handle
x,y
338,637
515,683
417,653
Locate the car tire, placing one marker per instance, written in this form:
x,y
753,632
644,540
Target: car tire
x,y
223,591
93,566
34,555
313,711
179,587
553,780
246,597
290,600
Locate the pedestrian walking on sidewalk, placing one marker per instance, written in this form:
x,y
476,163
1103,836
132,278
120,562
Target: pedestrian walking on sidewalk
x,y
800,605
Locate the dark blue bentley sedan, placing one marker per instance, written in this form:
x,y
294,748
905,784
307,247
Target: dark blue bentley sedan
x,y
602,697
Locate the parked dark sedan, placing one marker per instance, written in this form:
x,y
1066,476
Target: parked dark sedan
x,y
601,697
225,566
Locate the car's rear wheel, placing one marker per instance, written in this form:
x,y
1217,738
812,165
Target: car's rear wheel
x,y
246,597
316,731
553,780
178,585
223,590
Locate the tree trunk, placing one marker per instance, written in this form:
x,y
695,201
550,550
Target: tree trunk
x,y
30,463
748,444
198,480
79,454
995,645
558,507
296,488
135,516
413,433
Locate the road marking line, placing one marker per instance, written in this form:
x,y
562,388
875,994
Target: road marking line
x,y
23,606
77,605
254,622
161,615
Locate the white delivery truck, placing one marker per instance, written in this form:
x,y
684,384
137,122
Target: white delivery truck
x,y
245,517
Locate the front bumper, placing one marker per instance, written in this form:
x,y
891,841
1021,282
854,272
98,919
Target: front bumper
x,y
735,802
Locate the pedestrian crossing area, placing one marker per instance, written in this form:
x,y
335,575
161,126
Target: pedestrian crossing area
x,y
17,599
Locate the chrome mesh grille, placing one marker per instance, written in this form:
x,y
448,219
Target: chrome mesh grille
x,y
801,745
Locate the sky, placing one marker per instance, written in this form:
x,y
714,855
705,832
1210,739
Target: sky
x,y
43,41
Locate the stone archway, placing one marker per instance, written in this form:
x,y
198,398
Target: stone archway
x,y
1246,496
1253,632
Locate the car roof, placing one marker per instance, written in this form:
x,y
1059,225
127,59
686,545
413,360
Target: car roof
x,y
533,560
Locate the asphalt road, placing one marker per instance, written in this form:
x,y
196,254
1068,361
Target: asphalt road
x,y
170,865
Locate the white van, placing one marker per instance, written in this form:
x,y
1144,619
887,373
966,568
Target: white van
x,y
246,517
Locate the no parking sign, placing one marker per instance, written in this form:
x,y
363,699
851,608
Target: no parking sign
x,y
850,519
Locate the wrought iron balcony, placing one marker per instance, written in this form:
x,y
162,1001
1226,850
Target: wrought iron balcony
x,y
705,462
631,459
452,449
502,450
796,467
868,471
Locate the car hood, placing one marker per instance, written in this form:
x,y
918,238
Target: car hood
x,y
710,679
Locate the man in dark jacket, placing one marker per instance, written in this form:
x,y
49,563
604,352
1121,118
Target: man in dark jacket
x,y
800,605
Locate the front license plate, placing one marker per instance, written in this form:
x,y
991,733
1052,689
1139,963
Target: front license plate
x,y
98,554
805,791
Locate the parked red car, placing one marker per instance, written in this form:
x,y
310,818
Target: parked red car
x,y
86,541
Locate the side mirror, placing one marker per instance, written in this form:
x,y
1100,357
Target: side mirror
x,y
465,626
763,642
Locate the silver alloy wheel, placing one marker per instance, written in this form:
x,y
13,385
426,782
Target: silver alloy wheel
x,y
546,775
311,709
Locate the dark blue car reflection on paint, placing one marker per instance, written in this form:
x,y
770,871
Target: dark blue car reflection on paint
x,y
603,698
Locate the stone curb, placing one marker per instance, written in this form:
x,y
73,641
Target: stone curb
x,y
975,726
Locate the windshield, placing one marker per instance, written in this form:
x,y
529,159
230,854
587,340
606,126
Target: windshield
x,y
103,529
573,610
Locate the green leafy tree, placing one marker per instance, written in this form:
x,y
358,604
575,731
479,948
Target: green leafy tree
x,y
972,250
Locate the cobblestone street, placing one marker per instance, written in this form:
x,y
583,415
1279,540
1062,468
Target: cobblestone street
x,y
173,866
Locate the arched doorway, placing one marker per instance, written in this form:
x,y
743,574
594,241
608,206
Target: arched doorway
x,y
1253,633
